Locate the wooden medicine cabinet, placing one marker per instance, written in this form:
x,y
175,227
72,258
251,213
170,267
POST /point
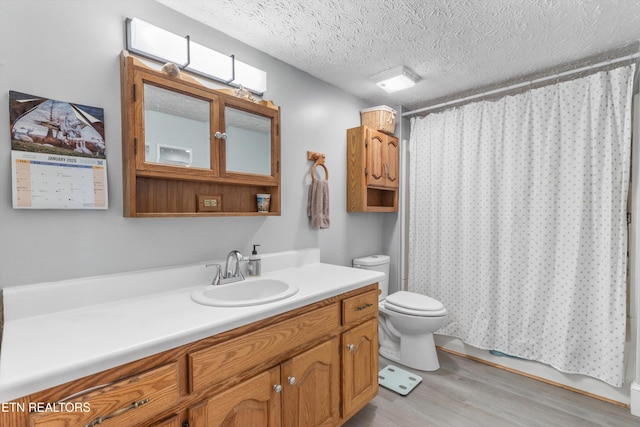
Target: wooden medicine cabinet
x,y
372,170
190,150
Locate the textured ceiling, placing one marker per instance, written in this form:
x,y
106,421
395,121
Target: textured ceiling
x,y
457,46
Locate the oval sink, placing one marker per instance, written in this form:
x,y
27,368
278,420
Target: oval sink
x,y
244,293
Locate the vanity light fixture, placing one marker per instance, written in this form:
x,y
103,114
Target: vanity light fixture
x,y
155,43
396,79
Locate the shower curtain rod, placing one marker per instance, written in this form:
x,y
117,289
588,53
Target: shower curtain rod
x,y
523,84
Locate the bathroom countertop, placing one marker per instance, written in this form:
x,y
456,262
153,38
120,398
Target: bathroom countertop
x,y
61,331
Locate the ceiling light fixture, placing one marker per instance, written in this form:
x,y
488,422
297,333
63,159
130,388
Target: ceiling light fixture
x,y
396,79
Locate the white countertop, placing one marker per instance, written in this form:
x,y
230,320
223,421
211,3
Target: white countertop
x,y
61,331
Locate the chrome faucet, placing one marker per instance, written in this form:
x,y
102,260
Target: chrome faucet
x,y
235,272
231,273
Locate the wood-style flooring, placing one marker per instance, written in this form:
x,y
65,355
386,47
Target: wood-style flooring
x,y
467,393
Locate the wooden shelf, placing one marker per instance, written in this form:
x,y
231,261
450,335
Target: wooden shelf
x,y
169,197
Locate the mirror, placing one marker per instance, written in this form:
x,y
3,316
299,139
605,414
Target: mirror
x,y
176,128
248,144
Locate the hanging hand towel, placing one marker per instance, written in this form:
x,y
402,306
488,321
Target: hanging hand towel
x,y
318,203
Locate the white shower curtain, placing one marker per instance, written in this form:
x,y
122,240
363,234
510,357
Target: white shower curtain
x,y
518,221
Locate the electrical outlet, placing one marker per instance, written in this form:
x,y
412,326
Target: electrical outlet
x,y
209,203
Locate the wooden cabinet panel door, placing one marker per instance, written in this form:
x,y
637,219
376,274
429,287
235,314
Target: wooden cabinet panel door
x,y
311,394
392,156
383,159
360,366
254,402
375,149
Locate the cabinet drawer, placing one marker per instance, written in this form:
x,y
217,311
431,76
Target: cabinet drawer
x,y
127,402
359,307
217,363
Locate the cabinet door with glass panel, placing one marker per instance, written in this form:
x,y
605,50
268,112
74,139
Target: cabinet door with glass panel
x,y
248,147
176,127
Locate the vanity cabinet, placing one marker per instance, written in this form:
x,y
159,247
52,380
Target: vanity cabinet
x,y
254,402
302,391
359,366
311,387
191,150
315,365
359,351
373,159
130,401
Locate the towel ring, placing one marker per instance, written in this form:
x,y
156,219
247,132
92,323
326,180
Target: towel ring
x,y
318,161
313,171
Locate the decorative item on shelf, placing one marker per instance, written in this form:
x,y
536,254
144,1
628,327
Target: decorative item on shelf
x,y
263,202
318,200
171,69
382,118
243,93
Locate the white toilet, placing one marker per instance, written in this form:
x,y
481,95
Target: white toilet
x,y
407,321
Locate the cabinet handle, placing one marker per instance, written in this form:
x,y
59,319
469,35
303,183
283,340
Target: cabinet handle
x,y
114,414
224,136
363,307
351,347
292,380
277,388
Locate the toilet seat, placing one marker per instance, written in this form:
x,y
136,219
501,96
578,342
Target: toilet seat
x,y
414,304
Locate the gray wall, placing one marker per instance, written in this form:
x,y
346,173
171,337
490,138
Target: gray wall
x,y
69,50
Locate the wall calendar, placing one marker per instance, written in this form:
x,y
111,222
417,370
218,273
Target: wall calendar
x,y
58,154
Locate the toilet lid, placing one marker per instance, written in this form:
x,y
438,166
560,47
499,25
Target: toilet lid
x,y
415,304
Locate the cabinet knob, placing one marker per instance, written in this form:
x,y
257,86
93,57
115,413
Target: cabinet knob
x,y
351,347
292,380
224,136
277,388
218,135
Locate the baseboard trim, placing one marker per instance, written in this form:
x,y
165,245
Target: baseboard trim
x,y
534,377
635,399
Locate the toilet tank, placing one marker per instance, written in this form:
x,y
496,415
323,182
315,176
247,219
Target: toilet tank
x,y
377,263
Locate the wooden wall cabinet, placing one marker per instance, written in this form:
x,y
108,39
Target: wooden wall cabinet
x,y
373,160
190,150
313,366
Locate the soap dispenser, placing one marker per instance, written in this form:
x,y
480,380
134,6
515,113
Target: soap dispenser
x,y
255,263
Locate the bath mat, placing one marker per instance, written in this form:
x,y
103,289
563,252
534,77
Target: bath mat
x,y
398,380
